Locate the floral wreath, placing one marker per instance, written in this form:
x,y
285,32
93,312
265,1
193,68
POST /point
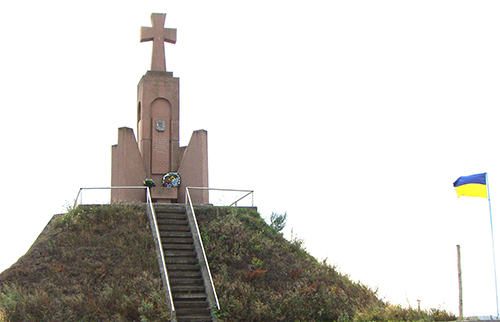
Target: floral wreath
x,y
148,182
171,180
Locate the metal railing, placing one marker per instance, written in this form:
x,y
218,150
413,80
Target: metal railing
x,y
80,192
161,255
235,203
154,227
197,230
200,241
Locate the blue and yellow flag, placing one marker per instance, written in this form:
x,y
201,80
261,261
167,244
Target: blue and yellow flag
x,y
472,186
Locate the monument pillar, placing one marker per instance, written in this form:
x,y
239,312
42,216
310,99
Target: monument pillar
x,y
158,123
156,151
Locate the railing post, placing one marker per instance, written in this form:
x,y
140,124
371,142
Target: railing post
x,y
76,200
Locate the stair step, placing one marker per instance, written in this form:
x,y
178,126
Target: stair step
x,y
182,254
195,318
178,247
192,311
179,304
179,281
175,234
191,296
171,211
181,260
186,281
163,216
173,274
170,207
179,252
172,221
177,240
174,228
188,288
183,267
165,220
193,305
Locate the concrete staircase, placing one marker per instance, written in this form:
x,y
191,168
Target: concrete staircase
x,y
186,281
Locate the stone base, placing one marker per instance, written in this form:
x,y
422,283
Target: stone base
x,y
194,168
164,195
127,169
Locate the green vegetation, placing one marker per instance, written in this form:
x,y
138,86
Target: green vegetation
x,y
278,222
99,264
260,276
397,313
91,264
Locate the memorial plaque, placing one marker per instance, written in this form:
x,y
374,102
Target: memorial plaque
x,y
160,148
160,126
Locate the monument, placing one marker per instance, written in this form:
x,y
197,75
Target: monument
x,y
156,152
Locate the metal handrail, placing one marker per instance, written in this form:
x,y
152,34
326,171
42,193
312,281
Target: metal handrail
x,y
162,255
188,199
236,202
79,195
151,210
218,189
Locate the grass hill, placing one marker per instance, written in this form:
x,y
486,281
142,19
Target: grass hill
x,y
99,264
92,264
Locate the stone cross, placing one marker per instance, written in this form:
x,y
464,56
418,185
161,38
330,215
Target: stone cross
x,y
158,35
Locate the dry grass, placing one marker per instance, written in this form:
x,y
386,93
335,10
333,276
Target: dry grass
x,y
99,264
261,276
92,264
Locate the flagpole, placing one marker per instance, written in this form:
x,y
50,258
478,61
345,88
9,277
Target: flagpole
x,y
460,297
492,243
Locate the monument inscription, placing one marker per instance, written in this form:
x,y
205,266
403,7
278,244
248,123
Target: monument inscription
x,y
160,148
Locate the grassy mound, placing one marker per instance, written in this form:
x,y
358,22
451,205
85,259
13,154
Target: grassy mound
x,y
260,276
99,264
92,264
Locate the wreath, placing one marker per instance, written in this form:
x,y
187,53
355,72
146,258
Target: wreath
x,y
171,180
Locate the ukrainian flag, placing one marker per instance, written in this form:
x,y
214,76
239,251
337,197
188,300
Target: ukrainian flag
x,y
472,186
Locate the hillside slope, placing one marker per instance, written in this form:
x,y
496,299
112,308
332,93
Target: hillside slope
x,y
261,276
92,264
99,264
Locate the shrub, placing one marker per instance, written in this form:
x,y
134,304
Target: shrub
x,y
278,222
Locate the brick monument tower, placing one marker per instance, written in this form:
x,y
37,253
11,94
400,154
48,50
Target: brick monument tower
x,y
156,152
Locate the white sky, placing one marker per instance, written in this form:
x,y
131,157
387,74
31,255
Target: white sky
x,y
353,117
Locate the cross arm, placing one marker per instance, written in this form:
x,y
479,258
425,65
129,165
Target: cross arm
x,y
170,35
147,34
